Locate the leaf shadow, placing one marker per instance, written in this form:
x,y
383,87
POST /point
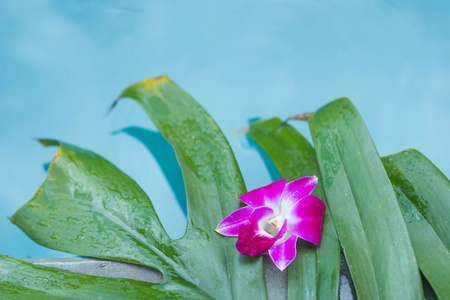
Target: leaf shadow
x,y
165,156
46,166
270,166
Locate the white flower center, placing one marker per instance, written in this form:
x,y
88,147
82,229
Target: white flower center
x,y
274,225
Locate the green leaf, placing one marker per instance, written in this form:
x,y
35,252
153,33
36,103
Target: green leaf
x,y
364,207
314,274
425,186
423,193
89,207
21,280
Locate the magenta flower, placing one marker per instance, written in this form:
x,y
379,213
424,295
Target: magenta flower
x,y
277,214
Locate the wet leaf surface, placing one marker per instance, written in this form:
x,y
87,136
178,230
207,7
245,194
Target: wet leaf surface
x,y
87,206
423,193
315,271
363,205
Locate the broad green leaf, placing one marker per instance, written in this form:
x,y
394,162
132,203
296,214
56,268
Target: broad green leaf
x,y
363,205
314,274
89,207
21,280
423,193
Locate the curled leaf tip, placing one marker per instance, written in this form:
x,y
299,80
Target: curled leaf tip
x,y
48,142
146,84
112,106
301,117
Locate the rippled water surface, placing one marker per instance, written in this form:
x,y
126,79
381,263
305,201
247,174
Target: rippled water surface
x,y
62,63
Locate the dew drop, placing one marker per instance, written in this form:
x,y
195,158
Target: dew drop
x,y
44,223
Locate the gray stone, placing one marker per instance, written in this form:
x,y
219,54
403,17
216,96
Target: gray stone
x,y
276,281
99,267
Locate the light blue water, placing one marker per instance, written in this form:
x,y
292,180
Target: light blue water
x,y
62,63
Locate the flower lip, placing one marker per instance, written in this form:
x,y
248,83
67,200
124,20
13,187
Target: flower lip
x,y
252,239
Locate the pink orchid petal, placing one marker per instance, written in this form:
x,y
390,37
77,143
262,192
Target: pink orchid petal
x,y
296,190
306,219
230,225
284,253
252,239
268,195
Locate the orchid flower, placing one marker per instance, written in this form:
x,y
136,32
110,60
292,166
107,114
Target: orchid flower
x,y
277,214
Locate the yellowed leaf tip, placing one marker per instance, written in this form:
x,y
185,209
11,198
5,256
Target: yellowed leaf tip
x,y
152,83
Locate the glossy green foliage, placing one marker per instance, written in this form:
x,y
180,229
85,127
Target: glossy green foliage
x,y
21,280
420,187
314,274
364,207
89,207
423,193
425,186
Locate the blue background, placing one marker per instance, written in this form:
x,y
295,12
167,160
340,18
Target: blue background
x,y
62,63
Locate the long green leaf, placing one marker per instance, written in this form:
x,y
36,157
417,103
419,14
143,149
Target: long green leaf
x,y
423,193
425,186
314,274
213,184
21,280
364,207
87,206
